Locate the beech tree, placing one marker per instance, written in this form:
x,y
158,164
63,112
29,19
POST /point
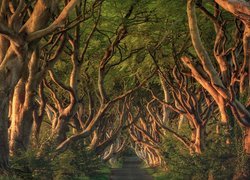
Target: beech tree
x,y
22,27
191,102
222,94
91,80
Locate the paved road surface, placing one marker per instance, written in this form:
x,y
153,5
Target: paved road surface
x,y
130,171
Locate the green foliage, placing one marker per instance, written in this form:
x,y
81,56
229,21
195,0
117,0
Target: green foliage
x,y
152,22
219,160
212,163
75,163
219,165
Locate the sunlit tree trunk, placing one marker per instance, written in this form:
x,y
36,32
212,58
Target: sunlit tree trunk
x,y
245,75
199,143
247,140
18,139
216,88
9,75
105,102
15,57
240,9
166,111
23,105
94,140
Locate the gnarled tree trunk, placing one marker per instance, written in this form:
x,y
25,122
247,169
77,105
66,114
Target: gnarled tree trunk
x,y
247,140
59,133
199,143
18,42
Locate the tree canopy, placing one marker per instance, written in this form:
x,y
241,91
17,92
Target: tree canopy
x,y
84,82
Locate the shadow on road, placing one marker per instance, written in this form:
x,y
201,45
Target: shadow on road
x,y
130,170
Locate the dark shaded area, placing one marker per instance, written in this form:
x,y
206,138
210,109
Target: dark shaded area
x,y
130,171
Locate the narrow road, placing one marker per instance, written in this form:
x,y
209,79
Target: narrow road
x,y
130,171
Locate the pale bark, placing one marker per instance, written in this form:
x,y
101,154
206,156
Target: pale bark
x,y
246,66
216,86
194,105
15,55
115,133
64,114
23,107
199,143
247,140
225,98
58,22
166,112
200,49
105,102
94,140
241,10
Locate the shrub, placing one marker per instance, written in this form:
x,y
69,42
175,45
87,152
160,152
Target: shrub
x,y
75,163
